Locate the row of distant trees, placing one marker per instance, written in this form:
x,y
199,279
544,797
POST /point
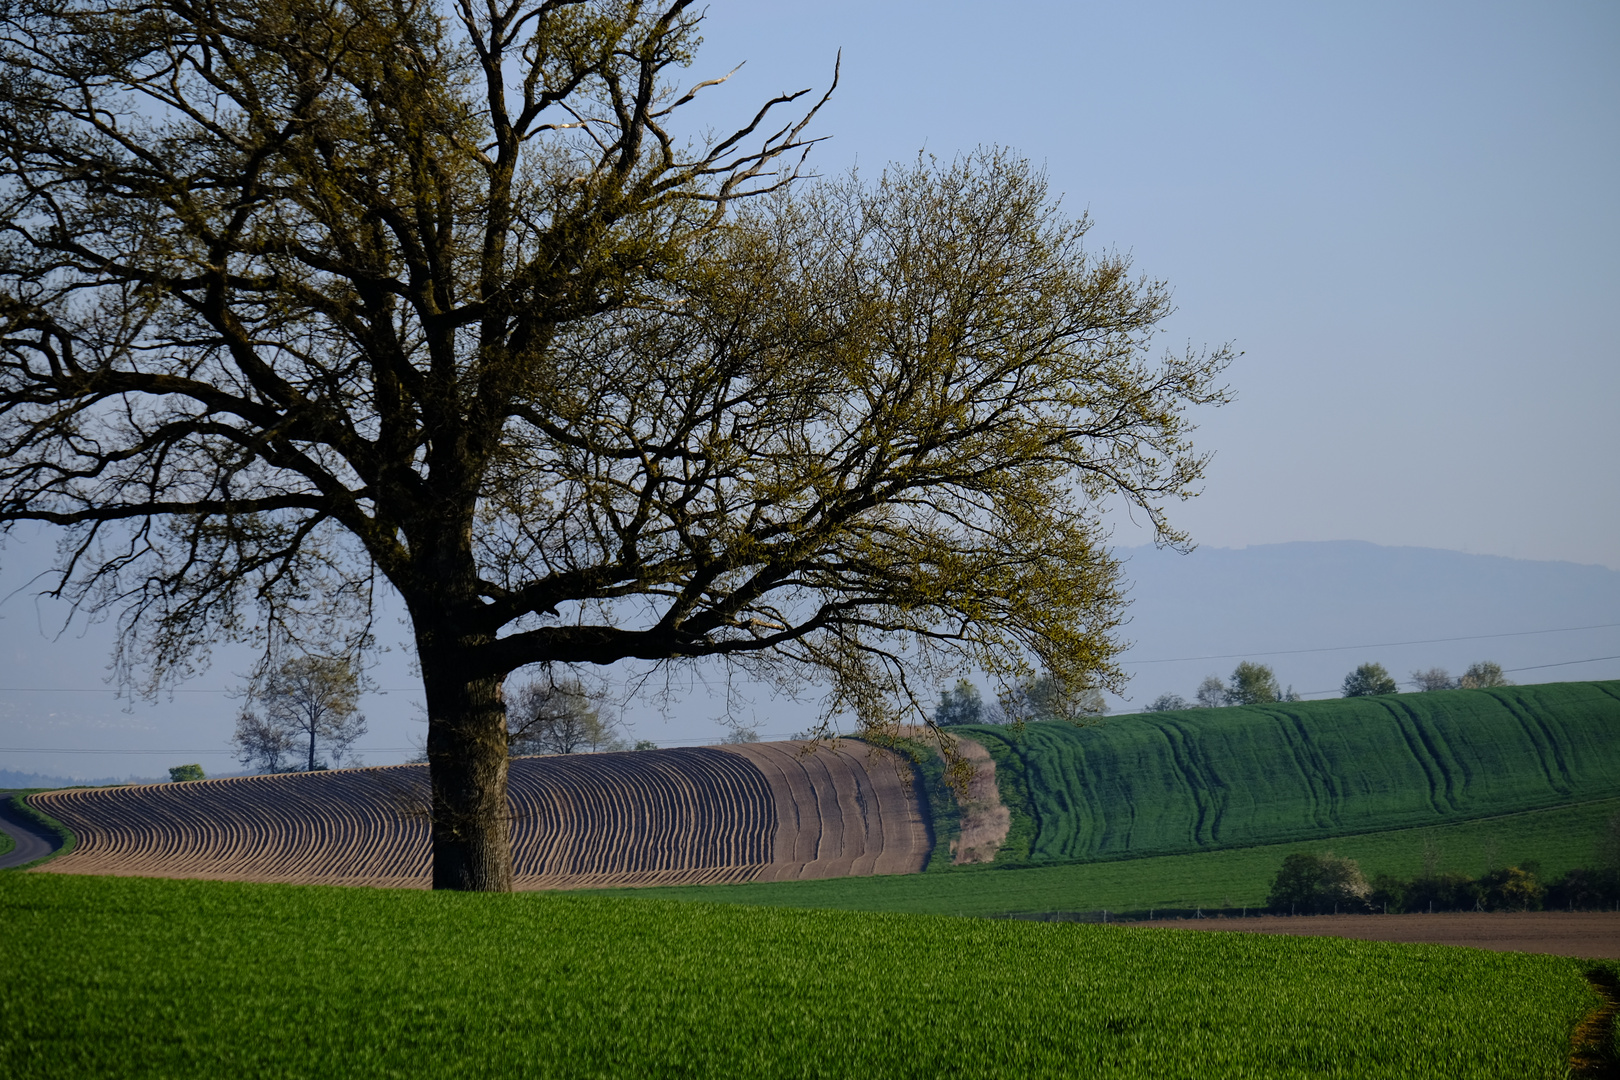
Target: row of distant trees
x,y
308,717
1043,697
1250,684
1320,883
1256,684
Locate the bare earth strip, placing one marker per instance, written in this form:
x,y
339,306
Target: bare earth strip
x,y
1593,935
668,817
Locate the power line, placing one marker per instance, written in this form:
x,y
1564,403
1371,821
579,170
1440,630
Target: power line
x,y
1563,663
672,745
1160,660
1379,645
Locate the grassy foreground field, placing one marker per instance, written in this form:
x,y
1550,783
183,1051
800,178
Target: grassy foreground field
x,y
1559,839
137,977
1201,779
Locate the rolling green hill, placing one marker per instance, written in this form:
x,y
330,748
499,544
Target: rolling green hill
x,y
1203,779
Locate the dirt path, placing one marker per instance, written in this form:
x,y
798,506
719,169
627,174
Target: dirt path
x,y
33,842
1592,935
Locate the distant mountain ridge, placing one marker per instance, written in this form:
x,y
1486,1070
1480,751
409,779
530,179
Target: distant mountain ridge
x,y
11,778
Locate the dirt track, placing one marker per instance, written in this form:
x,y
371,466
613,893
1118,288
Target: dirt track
x,y
763,811
1593,935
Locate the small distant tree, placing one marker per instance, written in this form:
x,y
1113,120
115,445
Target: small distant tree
x,y
1369,680
1211,692
1481,676
645,744
311,704
962,705
1169,703
740,734
1316,884
1253,684
1436,678
181,773
263,745
549,716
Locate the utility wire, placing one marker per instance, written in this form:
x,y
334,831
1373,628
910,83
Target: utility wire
x,y
767,737
1564,663
1161,660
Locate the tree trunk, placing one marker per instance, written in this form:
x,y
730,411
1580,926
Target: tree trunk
x,y
467,760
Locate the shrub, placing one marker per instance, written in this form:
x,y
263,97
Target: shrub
x,y
1448,891
181,773
1511,889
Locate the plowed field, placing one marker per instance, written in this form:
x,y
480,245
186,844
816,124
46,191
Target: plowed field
x,y
761,812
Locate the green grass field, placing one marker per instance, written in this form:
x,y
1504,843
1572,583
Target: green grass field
x,y
134,978
1558,839
1202,779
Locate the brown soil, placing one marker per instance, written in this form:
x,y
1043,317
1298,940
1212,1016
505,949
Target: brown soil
x,y
669,817
842,811
1593,935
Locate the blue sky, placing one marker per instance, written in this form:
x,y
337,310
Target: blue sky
x,y
1403,214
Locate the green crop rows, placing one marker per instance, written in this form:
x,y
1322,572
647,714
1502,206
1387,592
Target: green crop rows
x,y
1558,839
130,977
1217,778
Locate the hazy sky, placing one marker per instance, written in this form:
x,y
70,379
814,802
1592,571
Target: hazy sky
x,y
1403,214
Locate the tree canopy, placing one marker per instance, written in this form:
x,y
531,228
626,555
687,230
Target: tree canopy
x,y
1435,678
299,298
1483,675
557,717
963,704
310,705
1369,680
1253,684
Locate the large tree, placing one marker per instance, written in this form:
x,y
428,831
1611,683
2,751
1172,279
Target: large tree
x,y
295,294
